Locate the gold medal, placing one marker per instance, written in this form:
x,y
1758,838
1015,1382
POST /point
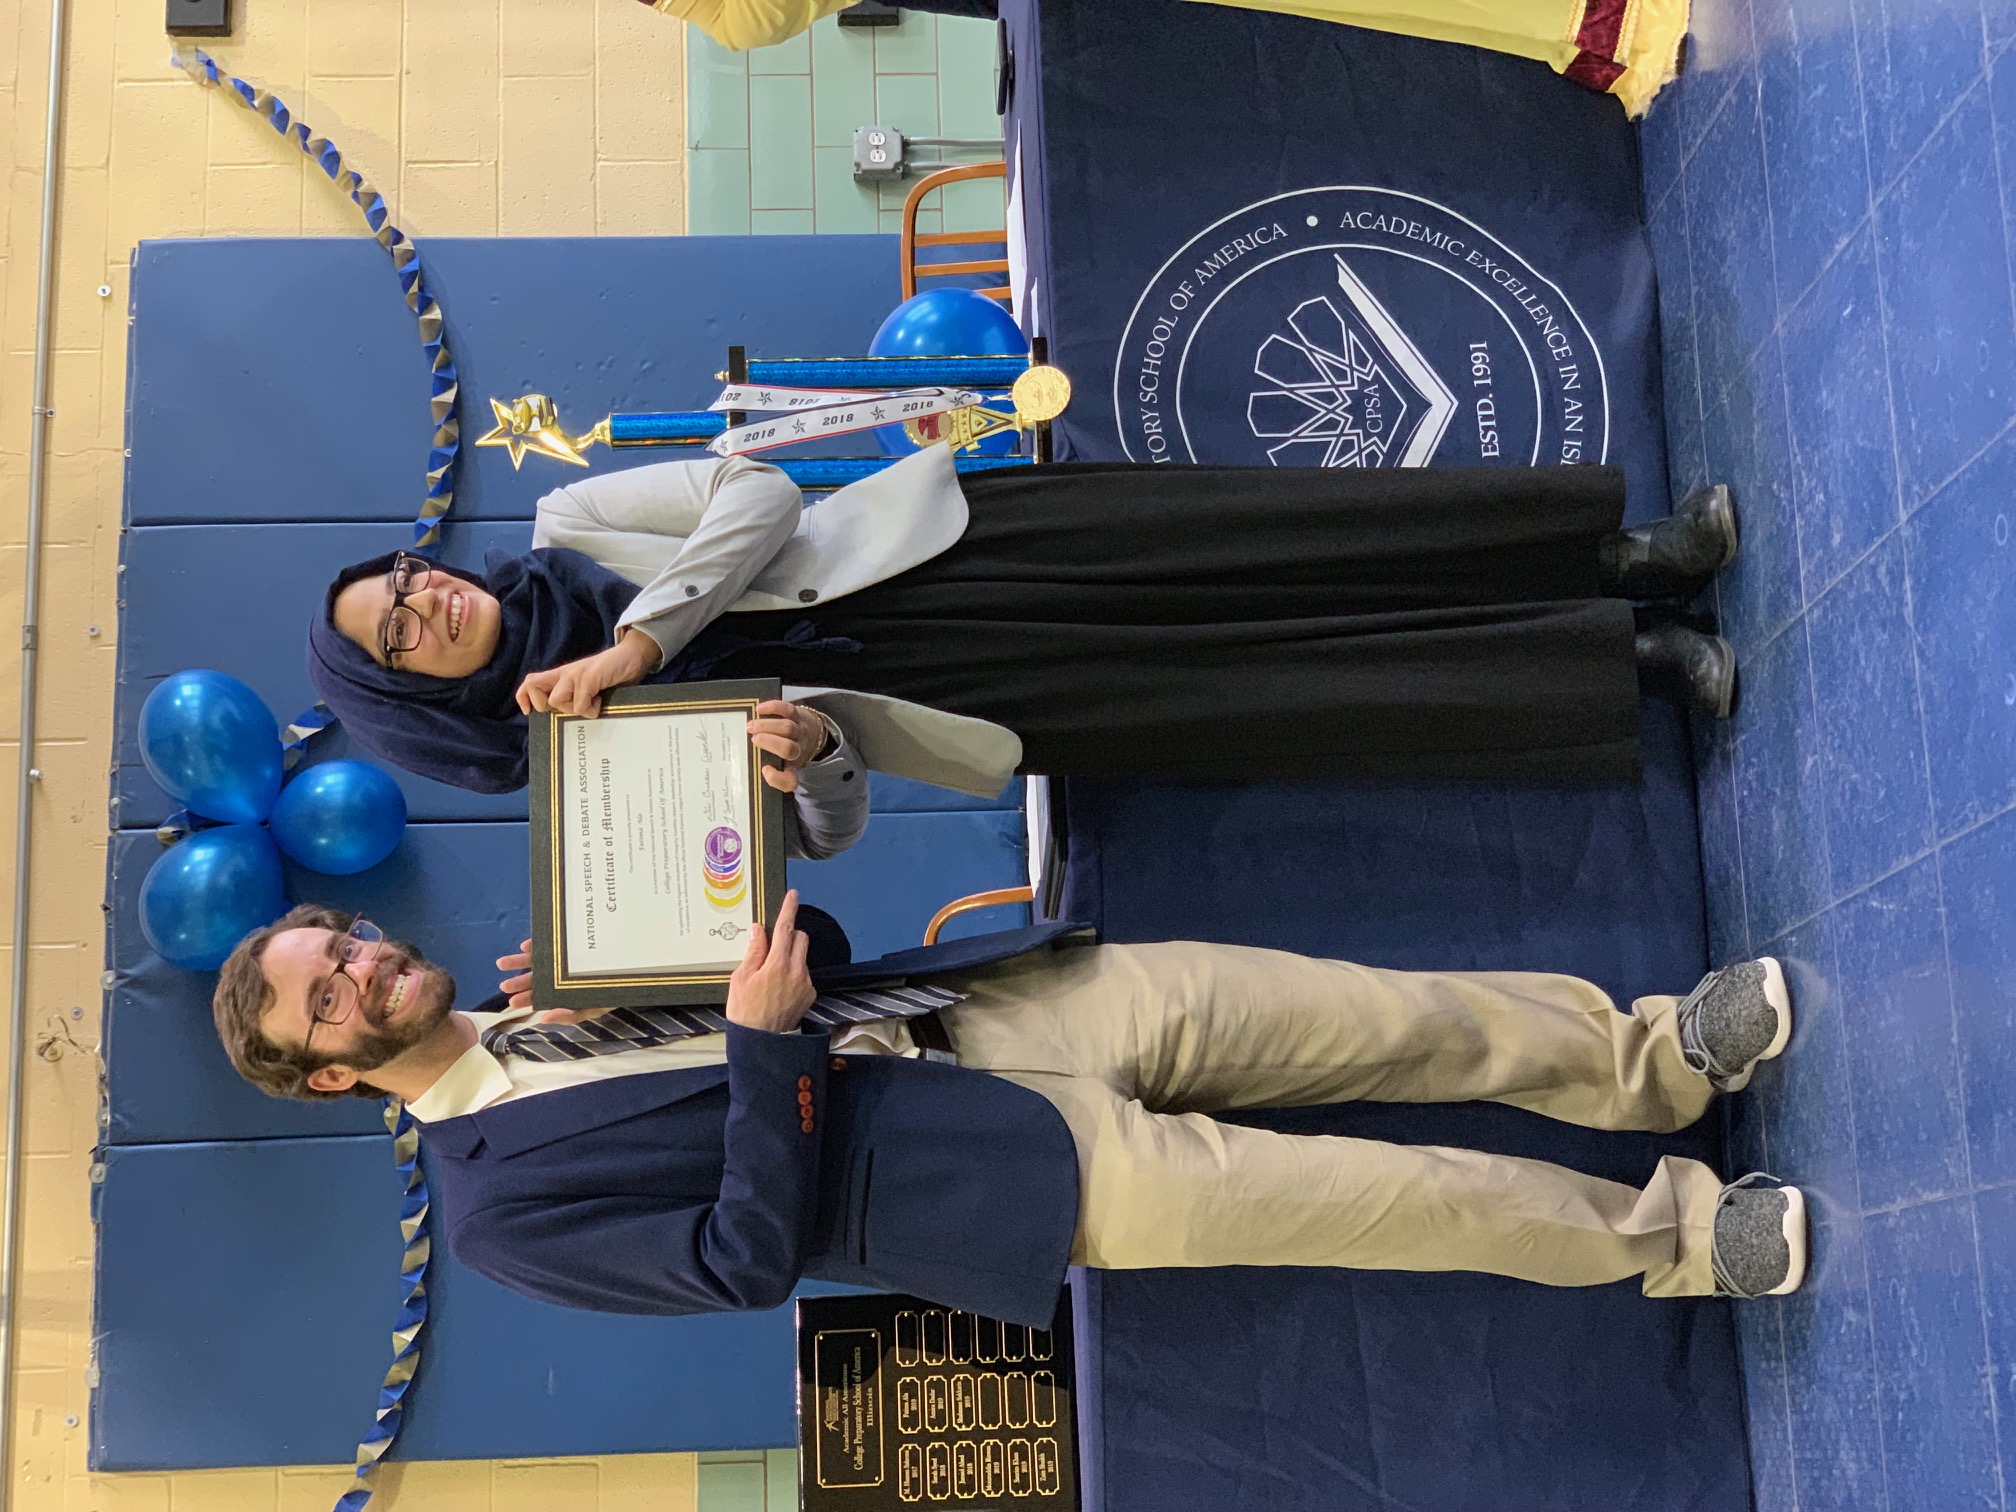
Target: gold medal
x,y
1042,393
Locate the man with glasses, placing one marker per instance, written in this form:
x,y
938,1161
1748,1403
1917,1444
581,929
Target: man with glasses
x,y
960,1121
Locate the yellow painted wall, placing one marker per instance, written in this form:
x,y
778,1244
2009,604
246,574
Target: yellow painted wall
x,y
474,118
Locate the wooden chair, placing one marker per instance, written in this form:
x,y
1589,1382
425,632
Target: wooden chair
x,y
970,902
913,241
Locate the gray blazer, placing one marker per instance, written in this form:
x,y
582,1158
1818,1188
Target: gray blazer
x,y
829,810
728,535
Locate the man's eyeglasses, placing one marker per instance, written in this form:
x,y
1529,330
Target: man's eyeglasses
x,y
401,630
338,996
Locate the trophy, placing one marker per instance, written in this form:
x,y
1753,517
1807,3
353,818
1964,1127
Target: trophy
x,y
935,399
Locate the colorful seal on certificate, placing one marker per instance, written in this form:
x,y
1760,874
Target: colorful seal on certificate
x,y
721,867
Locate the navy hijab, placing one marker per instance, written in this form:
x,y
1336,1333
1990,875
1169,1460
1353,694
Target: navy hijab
x,y
558,606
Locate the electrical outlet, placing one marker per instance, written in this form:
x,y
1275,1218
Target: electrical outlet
x,y
878,154
199,18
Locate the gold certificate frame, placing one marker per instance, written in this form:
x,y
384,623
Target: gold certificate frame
x,y
656,846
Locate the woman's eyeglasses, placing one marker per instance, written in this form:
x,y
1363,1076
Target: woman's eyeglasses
x,y
401,630
339,996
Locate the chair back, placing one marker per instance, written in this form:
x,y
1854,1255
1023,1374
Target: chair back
x,y
913,240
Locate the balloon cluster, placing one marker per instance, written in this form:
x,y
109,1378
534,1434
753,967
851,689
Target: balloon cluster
x,y
948,323
215,748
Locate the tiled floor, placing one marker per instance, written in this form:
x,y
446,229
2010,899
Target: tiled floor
x,y
1832,193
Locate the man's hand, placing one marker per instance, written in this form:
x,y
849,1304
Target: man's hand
x,y
791,732
577,687
518,988
771,989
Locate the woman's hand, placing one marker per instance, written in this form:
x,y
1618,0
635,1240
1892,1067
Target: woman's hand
x,y
791,732
518,986
578,686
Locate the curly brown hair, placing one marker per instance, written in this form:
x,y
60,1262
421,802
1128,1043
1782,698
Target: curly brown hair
x,y
242,998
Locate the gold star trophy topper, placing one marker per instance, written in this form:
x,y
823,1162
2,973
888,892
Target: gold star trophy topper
x,y
530,423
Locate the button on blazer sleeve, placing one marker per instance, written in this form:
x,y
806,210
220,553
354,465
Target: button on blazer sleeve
x,y
692,535
640,1253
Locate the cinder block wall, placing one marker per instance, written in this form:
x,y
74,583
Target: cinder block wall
x,y
475,118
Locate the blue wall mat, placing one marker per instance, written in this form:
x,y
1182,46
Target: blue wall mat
x,y
241,601
215,1205
591,1383
899,795
908,866
458,891
245,1298
283,380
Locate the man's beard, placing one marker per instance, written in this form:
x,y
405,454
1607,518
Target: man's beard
x,y
417,1020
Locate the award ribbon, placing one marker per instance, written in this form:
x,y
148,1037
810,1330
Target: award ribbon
x,y
840,419
746,396
405,262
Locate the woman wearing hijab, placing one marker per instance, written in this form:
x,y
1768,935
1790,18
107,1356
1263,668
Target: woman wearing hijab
x,y
1173,622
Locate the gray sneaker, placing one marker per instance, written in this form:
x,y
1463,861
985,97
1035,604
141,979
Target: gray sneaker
x,y
1735,1018
1759,1248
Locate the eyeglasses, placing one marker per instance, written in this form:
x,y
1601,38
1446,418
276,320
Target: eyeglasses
x,y
339,996
400,631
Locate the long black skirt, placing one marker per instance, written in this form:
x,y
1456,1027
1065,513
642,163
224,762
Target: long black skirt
x,y
1226,623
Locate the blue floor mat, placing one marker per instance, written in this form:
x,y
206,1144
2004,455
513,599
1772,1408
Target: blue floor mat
x,y
1251,1390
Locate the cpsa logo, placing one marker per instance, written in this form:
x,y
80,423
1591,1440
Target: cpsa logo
x,y
1357,327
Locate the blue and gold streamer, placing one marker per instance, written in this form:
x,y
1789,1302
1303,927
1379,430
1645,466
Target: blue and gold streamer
x,y
441,456
309,723
447,441
412,1309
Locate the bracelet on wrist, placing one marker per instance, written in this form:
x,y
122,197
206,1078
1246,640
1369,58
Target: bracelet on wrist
x,y
831,744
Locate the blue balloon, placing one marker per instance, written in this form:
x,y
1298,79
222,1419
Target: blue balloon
x,y
213,745
948,323
339,817
208,891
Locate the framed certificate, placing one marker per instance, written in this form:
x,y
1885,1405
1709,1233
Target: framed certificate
x,y
656,845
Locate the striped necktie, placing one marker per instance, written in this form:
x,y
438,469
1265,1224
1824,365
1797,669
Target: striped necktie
x,y
621,1029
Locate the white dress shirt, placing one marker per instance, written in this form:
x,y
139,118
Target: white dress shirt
x,y
480,1080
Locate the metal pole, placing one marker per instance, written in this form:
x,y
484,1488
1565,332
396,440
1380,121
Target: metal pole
x,y
31,601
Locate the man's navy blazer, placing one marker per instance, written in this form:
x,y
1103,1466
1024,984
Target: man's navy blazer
x,y
716,1189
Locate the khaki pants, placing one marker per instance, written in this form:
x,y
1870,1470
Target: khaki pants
x,y
1136,1044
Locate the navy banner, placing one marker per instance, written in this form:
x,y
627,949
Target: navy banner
x,y
1260,239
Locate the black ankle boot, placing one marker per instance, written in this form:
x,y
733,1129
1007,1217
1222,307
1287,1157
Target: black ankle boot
x,y
1696,671
1674,557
